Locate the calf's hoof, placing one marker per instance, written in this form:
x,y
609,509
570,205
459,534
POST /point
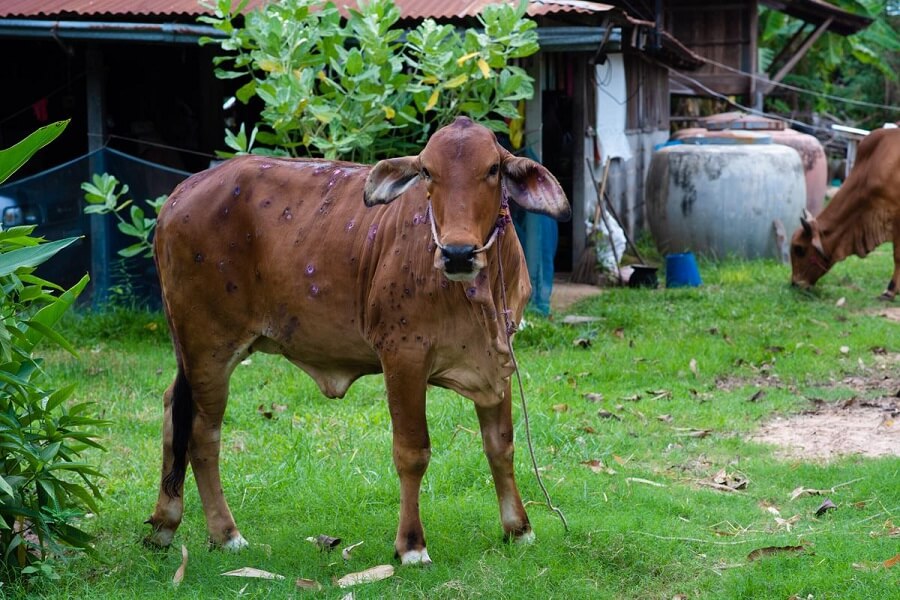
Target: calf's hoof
x,y
415,557
159,538
526,538
521,535
235,543
887,296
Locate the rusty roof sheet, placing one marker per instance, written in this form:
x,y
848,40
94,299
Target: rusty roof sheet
x,y
411,9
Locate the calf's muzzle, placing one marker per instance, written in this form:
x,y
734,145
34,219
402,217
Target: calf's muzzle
x,y
458,259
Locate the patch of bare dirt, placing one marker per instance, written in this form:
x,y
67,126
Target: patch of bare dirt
x,y
830,431
565,294
891,313
866,427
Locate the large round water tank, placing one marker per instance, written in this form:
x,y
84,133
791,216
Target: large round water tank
x,y
722,199
812,154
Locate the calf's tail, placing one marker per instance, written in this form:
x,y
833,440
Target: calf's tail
x,y
182,422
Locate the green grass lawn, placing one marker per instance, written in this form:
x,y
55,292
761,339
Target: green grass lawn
x,y
678,370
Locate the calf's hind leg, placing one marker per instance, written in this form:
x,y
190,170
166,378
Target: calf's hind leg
x,y
169,505
192,431
497,436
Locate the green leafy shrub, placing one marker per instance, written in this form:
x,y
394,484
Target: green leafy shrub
x,y
45,486
358,90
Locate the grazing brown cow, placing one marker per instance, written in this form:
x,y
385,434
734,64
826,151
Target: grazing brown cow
x,y
864,214
282,256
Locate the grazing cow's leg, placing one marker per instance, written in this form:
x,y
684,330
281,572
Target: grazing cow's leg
x,y
412,451
497,437
891,292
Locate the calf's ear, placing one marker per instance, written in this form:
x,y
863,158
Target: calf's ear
x,y
389,178
530,185
811,229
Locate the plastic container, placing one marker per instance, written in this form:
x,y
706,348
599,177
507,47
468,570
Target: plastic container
x,y
682,270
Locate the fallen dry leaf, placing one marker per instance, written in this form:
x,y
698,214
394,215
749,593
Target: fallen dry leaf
x,y
734,481
761,552
252,573
179,573
560,408
893,561
693,366
345,553
605,414
801,491
368,576
825,507
841,302
582,343
597,466
694,433
665,418
308,584
593,397
787,524
325,542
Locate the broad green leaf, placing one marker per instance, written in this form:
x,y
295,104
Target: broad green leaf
x,y
50,314
14,157
31,256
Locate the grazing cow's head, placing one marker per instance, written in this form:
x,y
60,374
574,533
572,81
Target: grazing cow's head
x,y
466,174
809,261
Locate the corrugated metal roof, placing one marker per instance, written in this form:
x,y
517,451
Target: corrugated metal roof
x,y
410,9
447,9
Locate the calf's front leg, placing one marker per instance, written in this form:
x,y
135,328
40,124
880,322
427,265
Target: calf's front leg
x,y
412,452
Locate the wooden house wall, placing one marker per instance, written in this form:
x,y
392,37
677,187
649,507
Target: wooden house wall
x,y
722,32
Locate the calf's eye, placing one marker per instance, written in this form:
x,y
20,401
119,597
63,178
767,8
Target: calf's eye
x,y
495,168
799,251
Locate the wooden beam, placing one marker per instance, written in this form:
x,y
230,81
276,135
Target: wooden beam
x,y
801,52
789,46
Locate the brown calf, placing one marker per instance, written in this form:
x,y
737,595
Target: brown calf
x,y
282,256
864,214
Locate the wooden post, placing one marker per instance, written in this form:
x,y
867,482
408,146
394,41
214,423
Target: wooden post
x,y
100,229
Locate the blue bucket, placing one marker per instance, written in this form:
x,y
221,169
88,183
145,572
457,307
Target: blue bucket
x,y
682,271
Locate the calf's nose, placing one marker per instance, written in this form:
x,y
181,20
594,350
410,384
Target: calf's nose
x,y
458,258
